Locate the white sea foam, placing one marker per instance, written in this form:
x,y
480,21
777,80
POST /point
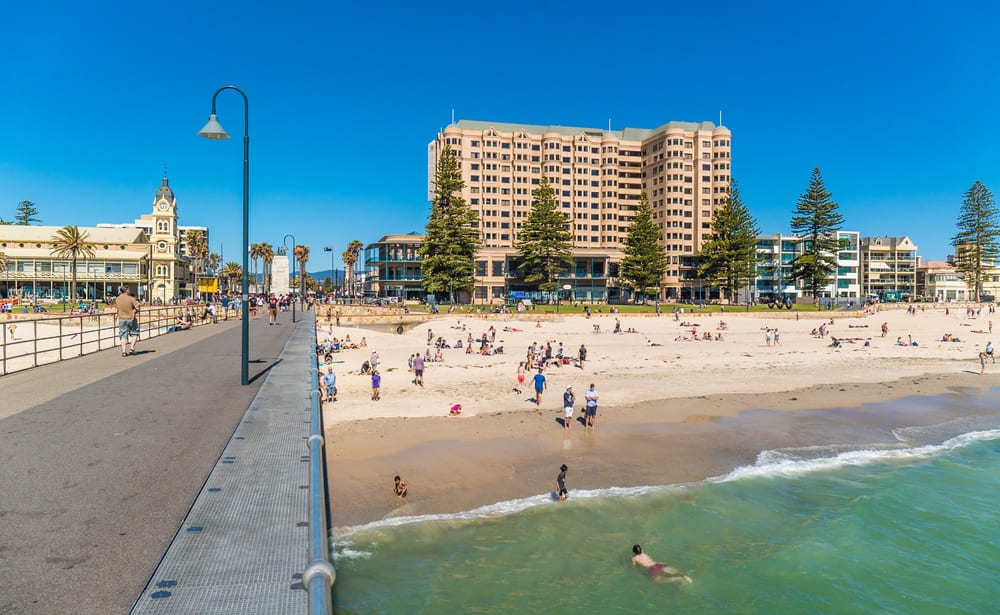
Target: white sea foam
x,y
781,465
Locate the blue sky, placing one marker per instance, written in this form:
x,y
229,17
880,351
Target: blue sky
x,y
893,101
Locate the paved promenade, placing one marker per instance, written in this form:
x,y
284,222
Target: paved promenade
x,y
102,457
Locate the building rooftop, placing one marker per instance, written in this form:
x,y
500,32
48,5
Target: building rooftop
x,y
625,134
17,233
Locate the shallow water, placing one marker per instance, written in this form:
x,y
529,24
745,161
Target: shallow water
x,y
908,525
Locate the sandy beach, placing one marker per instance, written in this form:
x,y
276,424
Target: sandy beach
x,y
670,412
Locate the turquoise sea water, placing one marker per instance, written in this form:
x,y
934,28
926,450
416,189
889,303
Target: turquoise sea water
x,y
909,526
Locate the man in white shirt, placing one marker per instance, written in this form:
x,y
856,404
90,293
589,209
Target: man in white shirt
x,y
590,413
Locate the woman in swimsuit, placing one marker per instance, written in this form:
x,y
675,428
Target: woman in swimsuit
x,y
659,571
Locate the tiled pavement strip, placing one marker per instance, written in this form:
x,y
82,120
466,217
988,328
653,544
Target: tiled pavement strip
x,y
243,545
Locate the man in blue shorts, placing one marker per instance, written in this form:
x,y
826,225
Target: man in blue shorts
x,y
590,413
540,386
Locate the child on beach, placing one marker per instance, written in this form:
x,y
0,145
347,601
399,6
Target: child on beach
x,y
520,377
561,484
399,487
376,384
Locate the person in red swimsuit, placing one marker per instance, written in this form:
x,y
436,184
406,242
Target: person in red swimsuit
x,y
659,571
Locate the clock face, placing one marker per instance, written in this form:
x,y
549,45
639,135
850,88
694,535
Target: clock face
x,y
162,206
161,246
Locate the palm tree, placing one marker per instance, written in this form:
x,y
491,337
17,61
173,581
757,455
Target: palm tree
x,y
256,252
267,256
197,249
302,256
350,257
70,242
232,273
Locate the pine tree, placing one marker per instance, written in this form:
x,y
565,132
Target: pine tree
x,y
816,221
645,262
452,238
729,257
545,244
26,213
976,242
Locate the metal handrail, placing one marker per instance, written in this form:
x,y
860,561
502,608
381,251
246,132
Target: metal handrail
x,y
319,575
81,334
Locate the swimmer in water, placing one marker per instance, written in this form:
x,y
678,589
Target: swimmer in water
x,y
660,572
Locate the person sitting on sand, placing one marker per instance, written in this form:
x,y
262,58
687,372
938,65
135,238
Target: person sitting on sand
x,y
399,487
659,571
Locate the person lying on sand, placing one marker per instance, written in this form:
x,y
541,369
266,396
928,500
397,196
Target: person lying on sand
x,y
658,571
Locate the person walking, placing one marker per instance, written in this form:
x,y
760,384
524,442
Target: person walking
x,y
272,310
561,491
128,320
568,399
540,386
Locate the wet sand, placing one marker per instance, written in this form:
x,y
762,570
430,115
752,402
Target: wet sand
x,y
456,464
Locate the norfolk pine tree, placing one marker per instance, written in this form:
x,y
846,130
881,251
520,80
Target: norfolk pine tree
x,y
645,262
452,238
975,243
26,213
729,258
816,221
545,244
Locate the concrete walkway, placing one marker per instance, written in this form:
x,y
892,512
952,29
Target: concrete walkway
x,y
102,457
244,544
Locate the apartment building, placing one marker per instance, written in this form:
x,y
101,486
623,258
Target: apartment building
x,y
598,175
889,267
776,253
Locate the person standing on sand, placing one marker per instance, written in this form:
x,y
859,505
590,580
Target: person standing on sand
x,y
128,320
376,384
657,570
582,356
520,377
568,399
885,329
418,370
590,413
561,492
540,386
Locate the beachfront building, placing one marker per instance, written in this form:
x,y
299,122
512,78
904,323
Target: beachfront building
x,y
774,267
889,268
598,176
33,274
392,266
940,281
145,256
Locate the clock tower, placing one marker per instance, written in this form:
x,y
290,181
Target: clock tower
x,y
170,271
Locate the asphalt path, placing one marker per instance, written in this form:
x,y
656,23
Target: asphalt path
x,y
101,456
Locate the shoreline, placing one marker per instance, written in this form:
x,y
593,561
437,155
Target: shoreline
x,y
457,464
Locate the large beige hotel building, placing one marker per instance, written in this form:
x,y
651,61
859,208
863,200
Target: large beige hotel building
x,y
598,175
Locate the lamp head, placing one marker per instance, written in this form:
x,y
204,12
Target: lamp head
x,y
213,129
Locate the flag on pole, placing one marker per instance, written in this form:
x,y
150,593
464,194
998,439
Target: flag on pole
x,y
328,249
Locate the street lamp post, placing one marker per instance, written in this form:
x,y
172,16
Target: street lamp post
x,y
283,242
333,277
213,130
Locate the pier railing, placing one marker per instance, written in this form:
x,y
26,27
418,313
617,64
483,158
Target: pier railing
x,y
319,575
30,341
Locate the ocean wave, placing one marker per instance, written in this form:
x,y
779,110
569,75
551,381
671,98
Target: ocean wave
x,y
499,509
783,464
